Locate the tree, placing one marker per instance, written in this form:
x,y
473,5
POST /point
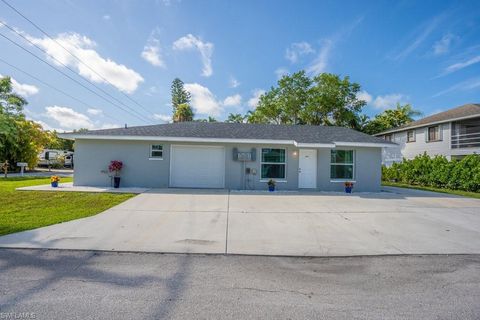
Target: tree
x,y
20,140
391,118
11,104
325,99
179,94
183,113
283,104
55,142
235,118
333,101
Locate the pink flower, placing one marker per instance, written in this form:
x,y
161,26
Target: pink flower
x,y
115,166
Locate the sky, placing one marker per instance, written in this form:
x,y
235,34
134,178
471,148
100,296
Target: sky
x,y
116,59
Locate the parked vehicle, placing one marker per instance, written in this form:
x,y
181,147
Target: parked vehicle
x,y
52,157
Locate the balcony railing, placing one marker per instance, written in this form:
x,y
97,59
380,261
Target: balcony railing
x,y
466,140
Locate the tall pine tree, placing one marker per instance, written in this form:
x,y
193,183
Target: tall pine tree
x,y
179,94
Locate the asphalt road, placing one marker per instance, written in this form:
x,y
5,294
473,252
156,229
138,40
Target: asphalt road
x,y
50,284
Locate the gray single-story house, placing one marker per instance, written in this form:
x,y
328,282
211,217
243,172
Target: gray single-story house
x,y
231,156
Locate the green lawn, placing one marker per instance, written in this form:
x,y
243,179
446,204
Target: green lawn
x,y
450,191
24,210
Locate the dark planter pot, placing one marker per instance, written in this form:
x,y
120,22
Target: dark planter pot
x,y
55,184
116,182
271,188
348,189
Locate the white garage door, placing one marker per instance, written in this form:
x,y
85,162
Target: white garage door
x,y
197,167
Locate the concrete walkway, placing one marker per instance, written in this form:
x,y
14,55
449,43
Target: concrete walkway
x,y
398,221
69,187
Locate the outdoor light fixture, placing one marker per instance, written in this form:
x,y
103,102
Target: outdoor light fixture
x,y
294,153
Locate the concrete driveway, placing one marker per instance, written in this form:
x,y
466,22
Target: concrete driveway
x,y
396,221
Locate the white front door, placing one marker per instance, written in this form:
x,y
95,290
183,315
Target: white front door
x,y
307,168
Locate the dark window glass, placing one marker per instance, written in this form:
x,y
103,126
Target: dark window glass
x,y
341,172
273,171
273,155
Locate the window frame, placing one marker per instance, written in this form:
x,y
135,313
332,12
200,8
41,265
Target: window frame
x,y
414,136
439,133
390,137
284,179
151,156
353,179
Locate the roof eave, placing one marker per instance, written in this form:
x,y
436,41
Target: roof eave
x,y
426,124
75,136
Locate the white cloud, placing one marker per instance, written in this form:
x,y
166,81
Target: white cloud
x,y
94,112
420,35
470,84
24,89
253,101
388,101
123,78
319,65
203,100
162,117
280,72
106,17
205,49
233,83
67,118
152,51
442,46
461,65
151,91
298,49
365,96
48,127
232,101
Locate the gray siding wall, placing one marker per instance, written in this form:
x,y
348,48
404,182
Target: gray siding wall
x,y
93,156
409,150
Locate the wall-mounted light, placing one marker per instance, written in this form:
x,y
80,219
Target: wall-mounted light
x,y
294,153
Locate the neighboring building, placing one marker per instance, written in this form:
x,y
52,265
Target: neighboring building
x,y
231,156
454,134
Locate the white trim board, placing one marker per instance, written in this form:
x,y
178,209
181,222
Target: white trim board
x,y
226,140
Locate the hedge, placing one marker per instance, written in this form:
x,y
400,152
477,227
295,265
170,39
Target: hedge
x,y
437,172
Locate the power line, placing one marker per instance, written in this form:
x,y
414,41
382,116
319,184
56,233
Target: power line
x,y
52,86
68,76
71,53
70,69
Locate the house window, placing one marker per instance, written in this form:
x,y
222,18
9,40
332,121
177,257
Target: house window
x,y
342,164
388,137
411,136
156,151
273,164
433,133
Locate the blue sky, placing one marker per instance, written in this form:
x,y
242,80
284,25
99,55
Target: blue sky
x,y
426,53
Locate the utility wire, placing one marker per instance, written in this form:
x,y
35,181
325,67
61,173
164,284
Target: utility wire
x,y
70,69
68,76
52,86
71,53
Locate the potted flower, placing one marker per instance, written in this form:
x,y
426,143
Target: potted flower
x,y
54,181
114,168
271,185
348,187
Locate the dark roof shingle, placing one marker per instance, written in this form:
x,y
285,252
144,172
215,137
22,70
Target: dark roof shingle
x,y
464,111
221,130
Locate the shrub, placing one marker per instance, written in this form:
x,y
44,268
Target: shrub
x,y
437,172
